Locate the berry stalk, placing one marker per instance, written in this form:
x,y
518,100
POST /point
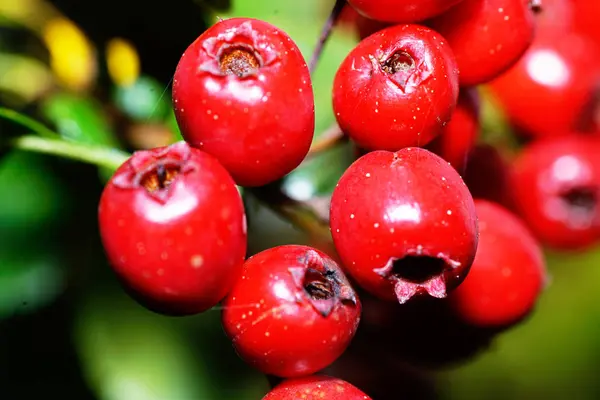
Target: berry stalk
x,y
26,122
325,33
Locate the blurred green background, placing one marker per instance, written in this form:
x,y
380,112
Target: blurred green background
x,y
98,72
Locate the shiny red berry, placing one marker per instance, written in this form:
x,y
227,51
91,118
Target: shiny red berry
x,y
460,134
396,89
292,312
242,92
174,229
487,36
548,90
404,223
557,190
401,10
316,387
508,273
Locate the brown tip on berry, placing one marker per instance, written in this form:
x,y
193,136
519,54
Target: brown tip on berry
x,y
412,275
317,286
399,61
582,204
241,61
535,6
160,177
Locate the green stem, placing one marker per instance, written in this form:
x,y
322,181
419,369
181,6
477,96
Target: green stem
x,y
29,123
101,156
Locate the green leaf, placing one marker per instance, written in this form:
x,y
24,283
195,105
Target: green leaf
x,y
80,119
145,100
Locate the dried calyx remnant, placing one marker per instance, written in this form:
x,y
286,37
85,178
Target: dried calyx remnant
x,y
536,6
160,177
399,61
239,60
317,286
418,269
582,201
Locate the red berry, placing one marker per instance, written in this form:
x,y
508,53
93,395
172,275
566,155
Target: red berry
x,y
174,229
557,189
396,89
487,36
508,273
460,134
315,388
242,92
404,223
292,312
401,10
546,92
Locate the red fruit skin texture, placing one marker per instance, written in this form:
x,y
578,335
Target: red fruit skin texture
x,y
315,388
178,250
460,134
388,206
401,10
259,125
486,36
397,88
548,90
557,186
274,323
508,274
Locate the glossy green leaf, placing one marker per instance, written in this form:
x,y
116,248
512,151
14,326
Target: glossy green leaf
x,y
145,100
79,118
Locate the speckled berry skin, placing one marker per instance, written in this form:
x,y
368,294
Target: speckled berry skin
x,y
178,248
397,88
460,134
557,77
401,10
242,92
487,36
292,312
557,188
392,212
316,387
508,274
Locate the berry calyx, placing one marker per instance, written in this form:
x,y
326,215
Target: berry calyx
x,y
292,312
557,189
315,387
401,10
417,224
242,92
173,228
508,273
397,88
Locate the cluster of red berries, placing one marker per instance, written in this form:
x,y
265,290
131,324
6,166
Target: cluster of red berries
x,y
424,211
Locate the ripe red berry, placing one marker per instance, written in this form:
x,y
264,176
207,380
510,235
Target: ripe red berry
x,y
401,10
396,88
315,388
292,312
460,134
404,223
242,92
557,189
508,273
547,91
487,36
173,227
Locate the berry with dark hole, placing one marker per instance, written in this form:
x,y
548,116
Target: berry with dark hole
x,y
508,274
487,36
404,224
292,312
401,10
174,230
548,92
557,190
315,387
242,92
397,88
460,134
